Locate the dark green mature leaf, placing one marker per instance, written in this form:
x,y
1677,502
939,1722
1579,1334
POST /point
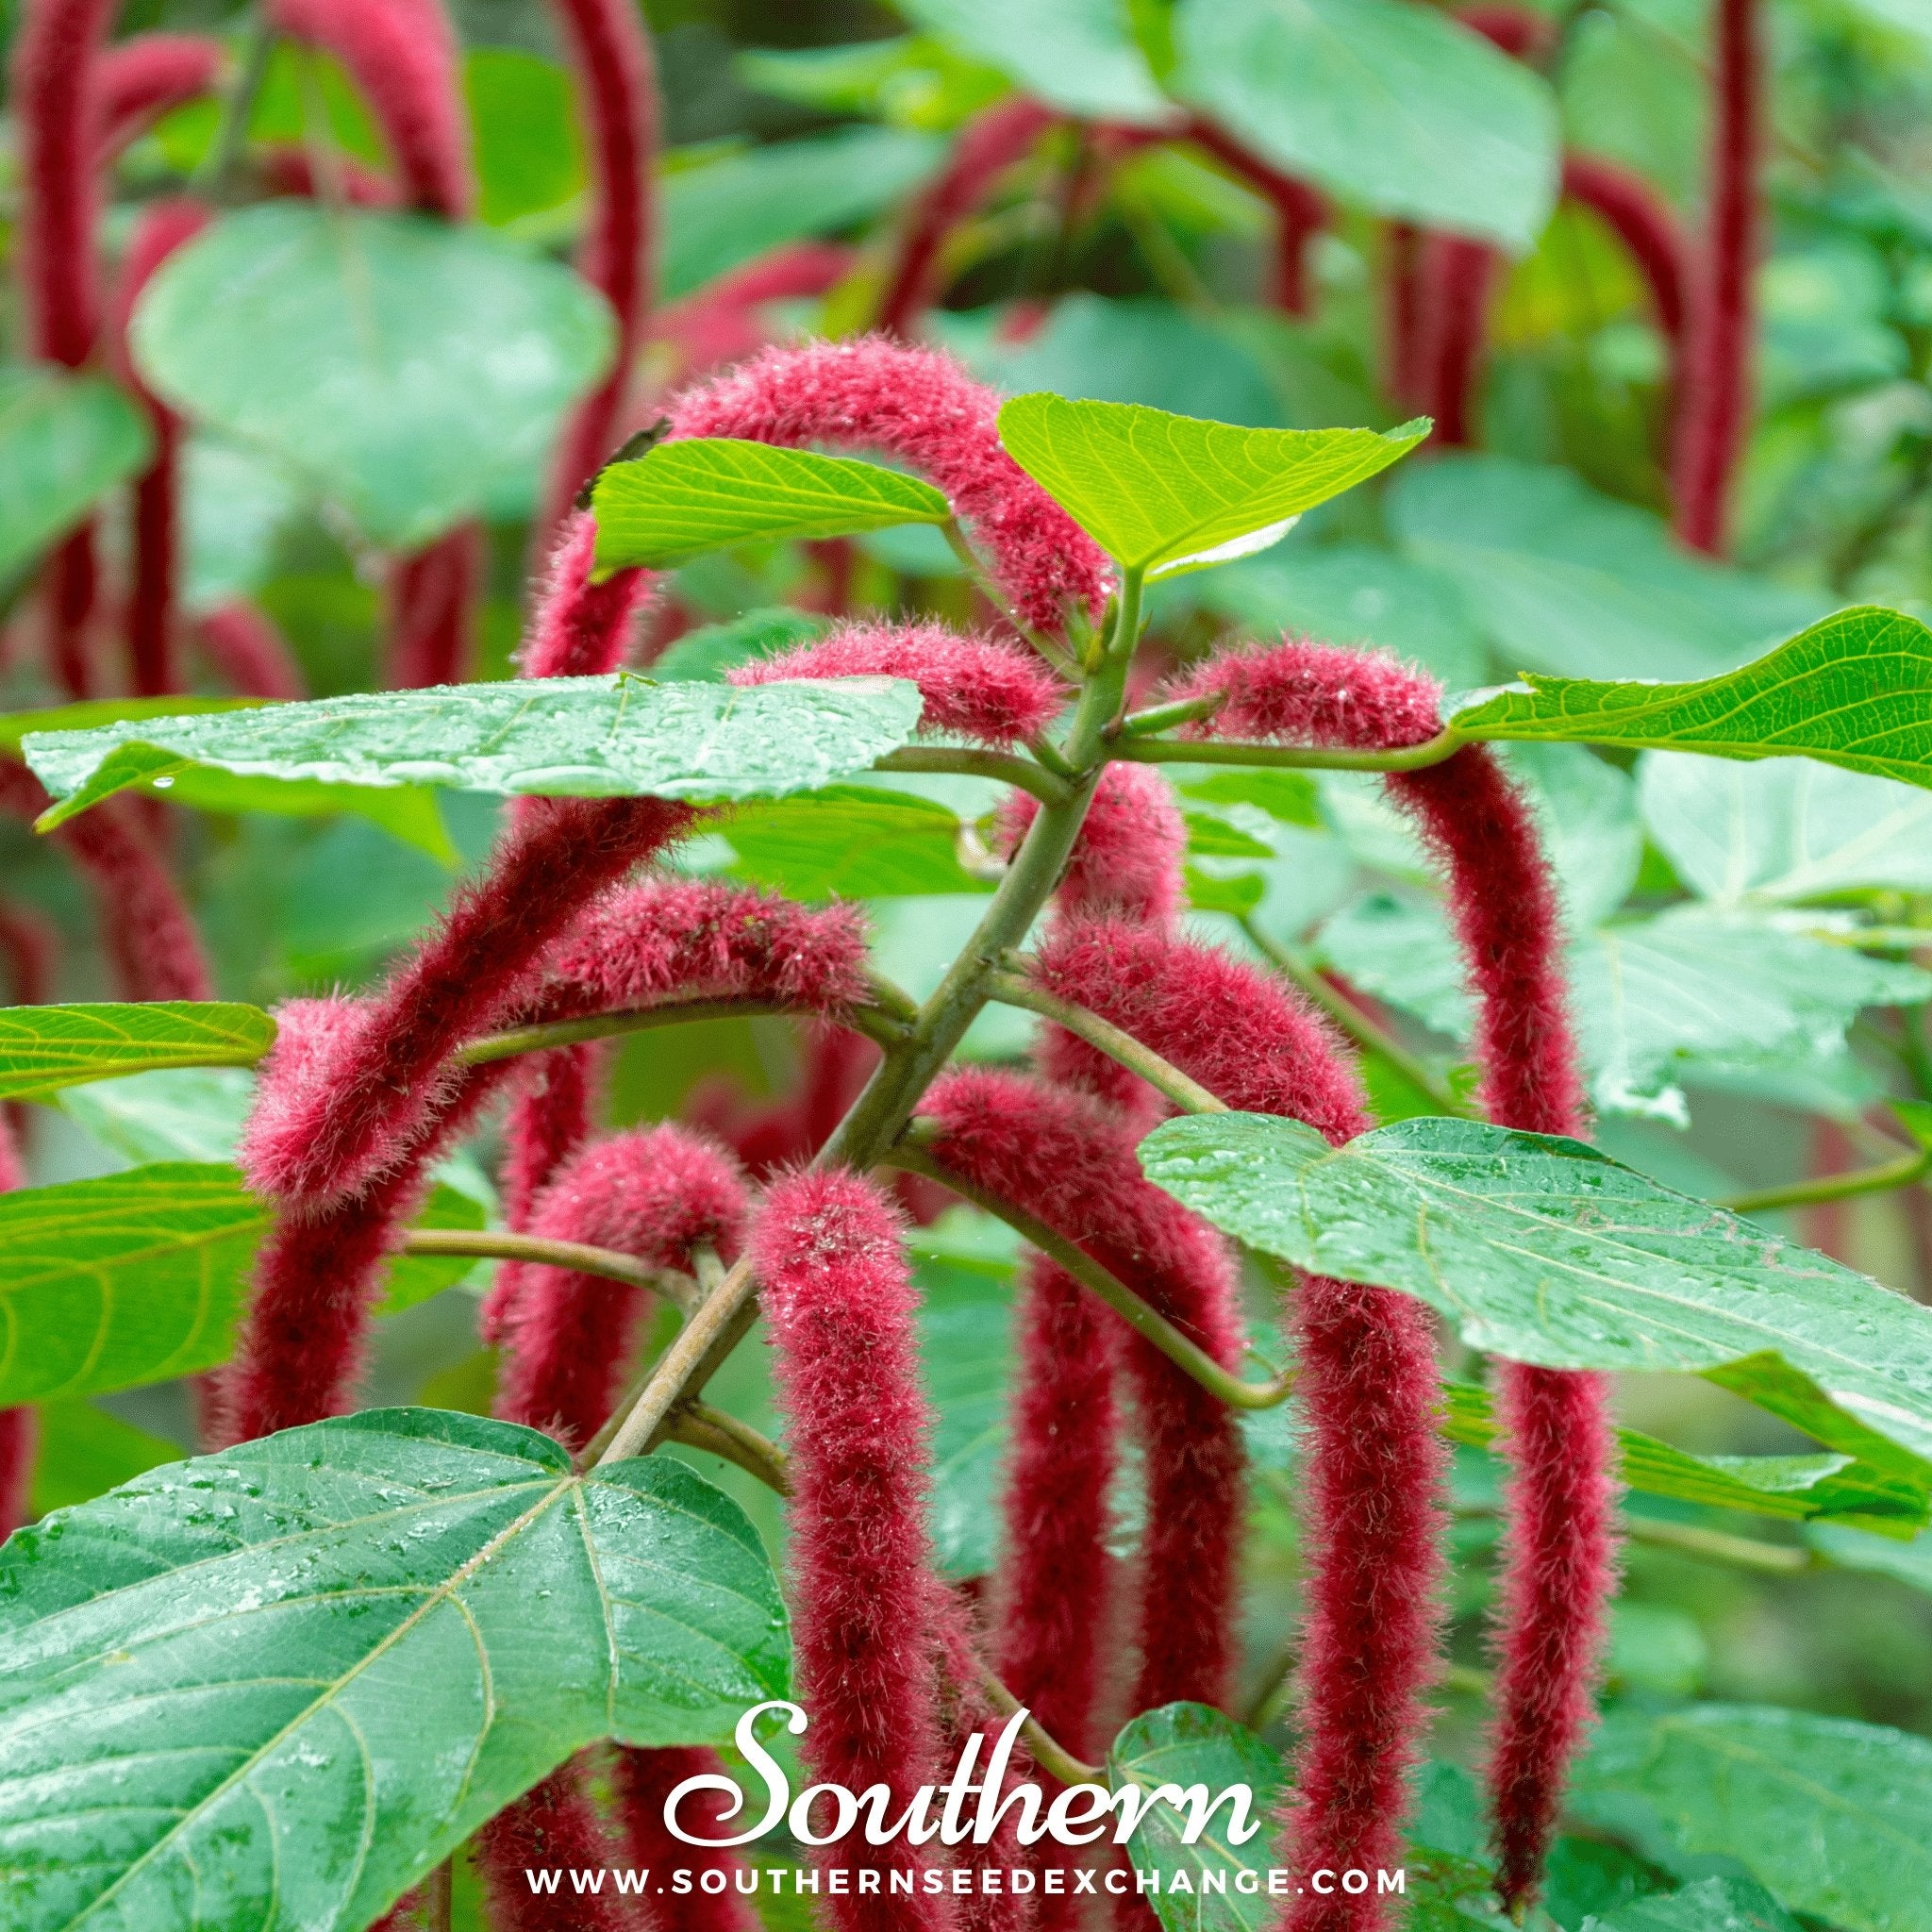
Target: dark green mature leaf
x,y
1079,55
65,440
270,1688
1712,1904
1169,494
681,499
407,368
43,1049
850,843
88,714
1569,581
1830,1815
720,213
1795,1486
575,736
1547,1251
1388,104
1212,1885
1855,689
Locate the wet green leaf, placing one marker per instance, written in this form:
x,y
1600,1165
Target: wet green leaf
x,y
274,1686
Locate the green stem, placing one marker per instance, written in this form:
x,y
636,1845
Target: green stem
x,y
222,167
1359,1028
1158,717
1144,1319
1744,1553
876,1022
1050,1754
1044,785
1901,1173
496,1245
975,571
1013,990
698,1425
1211,750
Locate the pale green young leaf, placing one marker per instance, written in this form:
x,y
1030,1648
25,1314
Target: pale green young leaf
x,y
578,737
410,369
1166,493
1212,1885
848,841
1546,1251
1827,1814
1389,105
1076,55
43,1049
65,440
681,499
1855,689
297,1674
172,1113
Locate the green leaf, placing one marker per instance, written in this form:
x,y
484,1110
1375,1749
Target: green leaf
x,y
529,155
235,503
850,843
1827,1814
1846,1547
83,1452
1855,689
619,735
1712,1904
681,499
1570,581
408,368
1287,797
1190,1745
708,653
1169,494
174,1114
65,440
720,213
270,1688
1546,1251
43,1049
1387,104
1076,55
1787,829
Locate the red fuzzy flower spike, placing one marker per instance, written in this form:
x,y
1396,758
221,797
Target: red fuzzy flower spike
x,y
581,629
644,1779
658,1195
1127,858
921,407
1069,1161
252,656
430,597
974,688
838,1296
403,55
553,1824
1641,219
1561,1564
147,75
610,57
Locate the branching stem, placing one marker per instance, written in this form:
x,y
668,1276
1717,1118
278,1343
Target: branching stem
x,y
876,1022
1209,751
1005,766
496,1245
1902,1172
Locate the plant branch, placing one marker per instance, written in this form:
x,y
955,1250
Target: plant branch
x,y
222,166
1211,750
876,1021
495,1244
698,1425
1359,1028
1051,1755
1745,1553
1005,766
1014,989
1901,1173
1146,1320
1158,717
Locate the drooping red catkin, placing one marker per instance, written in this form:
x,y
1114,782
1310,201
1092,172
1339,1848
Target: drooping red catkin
x,y
920,405
1521,33
610,52
286,170
403,55
723,323
1404,376
252,656
1301,213
432,596
1069,1161
973,687
147,75
1127,858
146,930
656,1195
1560,1550
644,1780
1642,221
357,1108
997,139
162,227
1714,406
839,1298
1457,277
581,629
553,1824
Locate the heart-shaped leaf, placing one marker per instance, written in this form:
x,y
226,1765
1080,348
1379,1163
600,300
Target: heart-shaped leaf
x,y
1855,689
43,1049
681,499
1165,494
65,440
270,1688
1546,1251
578,737
410,369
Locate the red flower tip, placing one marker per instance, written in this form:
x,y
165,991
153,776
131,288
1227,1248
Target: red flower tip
x,y
554,1824
1128,855
973,687
919,406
